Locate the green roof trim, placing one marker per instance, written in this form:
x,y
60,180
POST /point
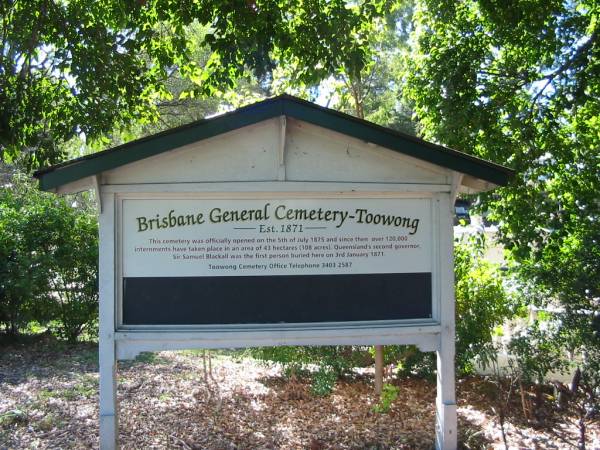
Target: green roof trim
x,y
76,169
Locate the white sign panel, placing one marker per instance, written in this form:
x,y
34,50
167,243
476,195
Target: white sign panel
x,y
242,237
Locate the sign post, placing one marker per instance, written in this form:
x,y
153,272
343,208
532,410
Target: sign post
x,y
109,410
446,420
282,223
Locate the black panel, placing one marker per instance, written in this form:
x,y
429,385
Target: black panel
x,y
275,299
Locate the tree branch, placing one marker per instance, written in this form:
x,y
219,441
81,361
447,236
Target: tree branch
x,y
565,66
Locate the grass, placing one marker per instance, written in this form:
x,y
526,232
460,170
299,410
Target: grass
x,y
165,397
150,358
49,422
88,355
215,353
85,386
46,394
13,417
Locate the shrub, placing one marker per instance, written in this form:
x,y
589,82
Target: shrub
x,y
297,359
331,362
537,351
48,261
389,393
73,280
323,381
22,269
482,304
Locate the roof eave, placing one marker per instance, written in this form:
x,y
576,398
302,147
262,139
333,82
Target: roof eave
x,y
52,178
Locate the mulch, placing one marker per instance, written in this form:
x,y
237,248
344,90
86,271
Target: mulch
x,y
49,399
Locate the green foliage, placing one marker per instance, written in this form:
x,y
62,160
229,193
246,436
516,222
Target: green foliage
x,y
536,352
73,265
323,381
389,393
13,417
370,90
411,361
290,358
519,85
151,358
22,271
89,67
482,304
374,92
48,261
331,362
67,68
590,383
296,360
178,105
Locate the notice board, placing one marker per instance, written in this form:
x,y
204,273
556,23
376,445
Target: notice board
x,y
197,261
280,223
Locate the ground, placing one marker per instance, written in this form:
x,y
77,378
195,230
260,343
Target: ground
x,y
49,399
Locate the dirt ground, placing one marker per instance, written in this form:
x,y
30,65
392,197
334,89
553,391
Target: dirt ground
x,y
49,399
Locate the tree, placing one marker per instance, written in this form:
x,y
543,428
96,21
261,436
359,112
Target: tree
x,y
519,83
374,92
22,277
68,68
180,104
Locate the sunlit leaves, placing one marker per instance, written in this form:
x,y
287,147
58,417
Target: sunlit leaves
x,y
48,260
80,67
519,83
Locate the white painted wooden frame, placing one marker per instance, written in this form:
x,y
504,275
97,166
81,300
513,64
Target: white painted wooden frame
x,y
120,342
106,334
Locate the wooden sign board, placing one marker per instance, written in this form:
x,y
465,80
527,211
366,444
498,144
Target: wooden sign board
x,y
192,261
281,223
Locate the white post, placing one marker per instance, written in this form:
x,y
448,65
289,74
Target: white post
x,y
106,337
446,423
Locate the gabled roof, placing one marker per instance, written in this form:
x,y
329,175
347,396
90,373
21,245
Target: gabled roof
x,y
283,105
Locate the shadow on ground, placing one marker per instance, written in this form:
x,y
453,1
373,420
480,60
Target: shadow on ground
x,y
49,399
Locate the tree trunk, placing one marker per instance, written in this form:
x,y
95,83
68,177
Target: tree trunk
x,y
378,369
204,367
14,329
524,401
581,445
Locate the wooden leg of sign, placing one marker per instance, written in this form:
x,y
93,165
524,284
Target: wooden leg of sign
x,y
109,412
446,426
445,404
